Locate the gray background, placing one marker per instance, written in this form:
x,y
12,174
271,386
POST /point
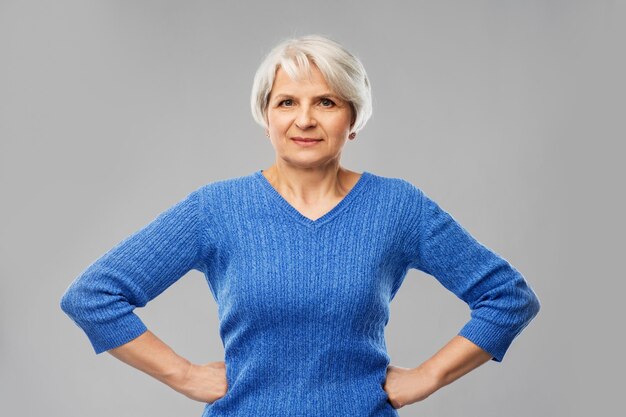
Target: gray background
x,y
505,112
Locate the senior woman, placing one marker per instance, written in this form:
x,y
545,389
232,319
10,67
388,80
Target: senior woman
x,y
303,259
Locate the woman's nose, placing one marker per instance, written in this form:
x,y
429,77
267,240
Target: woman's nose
x,y
305,119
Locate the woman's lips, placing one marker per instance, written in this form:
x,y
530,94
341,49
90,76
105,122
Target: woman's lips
x,y
305,141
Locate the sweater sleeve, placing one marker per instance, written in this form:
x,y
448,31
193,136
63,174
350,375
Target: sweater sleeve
x,y
102,298
501,301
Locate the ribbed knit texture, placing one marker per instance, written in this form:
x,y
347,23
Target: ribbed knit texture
x,y
302,303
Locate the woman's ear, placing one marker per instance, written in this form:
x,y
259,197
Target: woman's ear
x,y
353,116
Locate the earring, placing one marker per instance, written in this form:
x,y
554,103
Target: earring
x,y
267,133
352,135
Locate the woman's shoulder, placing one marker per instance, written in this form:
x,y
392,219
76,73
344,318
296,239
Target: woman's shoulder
x,y
395,184
227,185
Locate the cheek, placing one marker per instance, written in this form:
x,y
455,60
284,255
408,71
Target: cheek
x,y
277,121
341,120
341,125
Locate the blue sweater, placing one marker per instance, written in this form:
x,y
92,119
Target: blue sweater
x,y
302,303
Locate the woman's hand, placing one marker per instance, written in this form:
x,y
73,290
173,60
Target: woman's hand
x,y
206,383
148,353
458,357
409,385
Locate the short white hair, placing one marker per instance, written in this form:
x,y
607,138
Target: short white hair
x,y
343,72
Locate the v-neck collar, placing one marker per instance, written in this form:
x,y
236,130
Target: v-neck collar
x,y
299,217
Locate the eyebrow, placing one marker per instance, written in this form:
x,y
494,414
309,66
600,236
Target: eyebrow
x,y
284,95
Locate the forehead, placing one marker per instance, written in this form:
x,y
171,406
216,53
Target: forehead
x,y
283,83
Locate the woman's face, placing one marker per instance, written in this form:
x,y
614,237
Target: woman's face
x,y
307,109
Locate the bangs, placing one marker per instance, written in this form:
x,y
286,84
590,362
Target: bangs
x,y
297,65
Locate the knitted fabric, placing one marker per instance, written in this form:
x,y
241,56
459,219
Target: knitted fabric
x,y
302,303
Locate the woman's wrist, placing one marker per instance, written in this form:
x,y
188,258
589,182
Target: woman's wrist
x,y
152,356
430,375
176,376
458,357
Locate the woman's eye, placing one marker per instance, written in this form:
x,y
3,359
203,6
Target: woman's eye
x,y
288,102
327,102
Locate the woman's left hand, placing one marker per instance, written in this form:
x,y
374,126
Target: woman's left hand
x,y
409,385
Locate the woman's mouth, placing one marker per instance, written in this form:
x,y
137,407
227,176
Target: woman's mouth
x,y
305,141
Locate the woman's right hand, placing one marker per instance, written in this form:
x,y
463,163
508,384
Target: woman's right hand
x,y
148,353
206,383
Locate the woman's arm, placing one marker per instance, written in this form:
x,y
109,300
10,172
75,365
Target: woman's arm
x,y
458,357
102,299
149,354
501,301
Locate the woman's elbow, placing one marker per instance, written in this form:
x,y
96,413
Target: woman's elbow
x,y
78,300
533,305
71,301
536,304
